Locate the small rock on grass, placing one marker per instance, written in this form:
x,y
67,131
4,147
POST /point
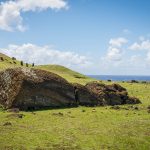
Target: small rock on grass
x,y
33,113
15,110
16,115
136,108
93,110
148,107
131,106
21,115
115,107
7,124
126,108
58,114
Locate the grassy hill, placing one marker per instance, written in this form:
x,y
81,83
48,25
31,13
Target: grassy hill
x,y
7,62
64,72
82,128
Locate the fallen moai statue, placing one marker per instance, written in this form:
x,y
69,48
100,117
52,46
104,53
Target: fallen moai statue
x,y
27,88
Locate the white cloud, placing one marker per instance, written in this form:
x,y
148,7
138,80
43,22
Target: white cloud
x,y
10,11
143,45
115,50
118,42
119,58
135,46
114,54
45,55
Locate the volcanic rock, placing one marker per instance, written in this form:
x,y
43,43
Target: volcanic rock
x,y
29,89
85,96
111,94
26,89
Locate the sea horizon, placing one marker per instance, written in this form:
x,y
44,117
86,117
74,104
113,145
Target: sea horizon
x,y
121,77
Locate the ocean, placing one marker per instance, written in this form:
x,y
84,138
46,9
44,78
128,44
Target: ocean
x,y
120,77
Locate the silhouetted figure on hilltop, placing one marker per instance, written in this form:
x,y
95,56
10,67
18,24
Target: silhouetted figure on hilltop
x,y
27,65
21,63
1,58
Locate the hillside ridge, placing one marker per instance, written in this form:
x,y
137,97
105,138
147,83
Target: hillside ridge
x,y
68,74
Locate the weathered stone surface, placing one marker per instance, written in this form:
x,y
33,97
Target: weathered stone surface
x,y
26,88
111,94
14,110
133,100
85,96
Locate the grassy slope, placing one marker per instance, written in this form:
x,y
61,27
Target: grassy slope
x,y
64,72
104,129
7,62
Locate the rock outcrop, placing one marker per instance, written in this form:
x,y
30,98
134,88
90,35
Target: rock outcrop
x,y
27,88
111,94
85,96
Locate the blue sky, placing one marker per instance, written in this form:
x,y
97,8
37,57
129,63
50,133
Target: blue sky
x,y
90,36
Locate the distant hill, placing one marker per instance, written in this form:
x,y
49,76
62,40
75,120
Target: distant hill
x,y
7,62
68,74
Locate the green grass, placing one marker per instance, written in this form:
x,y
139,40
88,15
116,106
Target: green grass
x,y
106,128
64,72
9,63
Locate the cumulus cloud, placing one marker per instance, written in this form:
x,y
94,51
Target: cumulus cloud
x,y
117,42
115,52
10,11
122,58
143,45
45,55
